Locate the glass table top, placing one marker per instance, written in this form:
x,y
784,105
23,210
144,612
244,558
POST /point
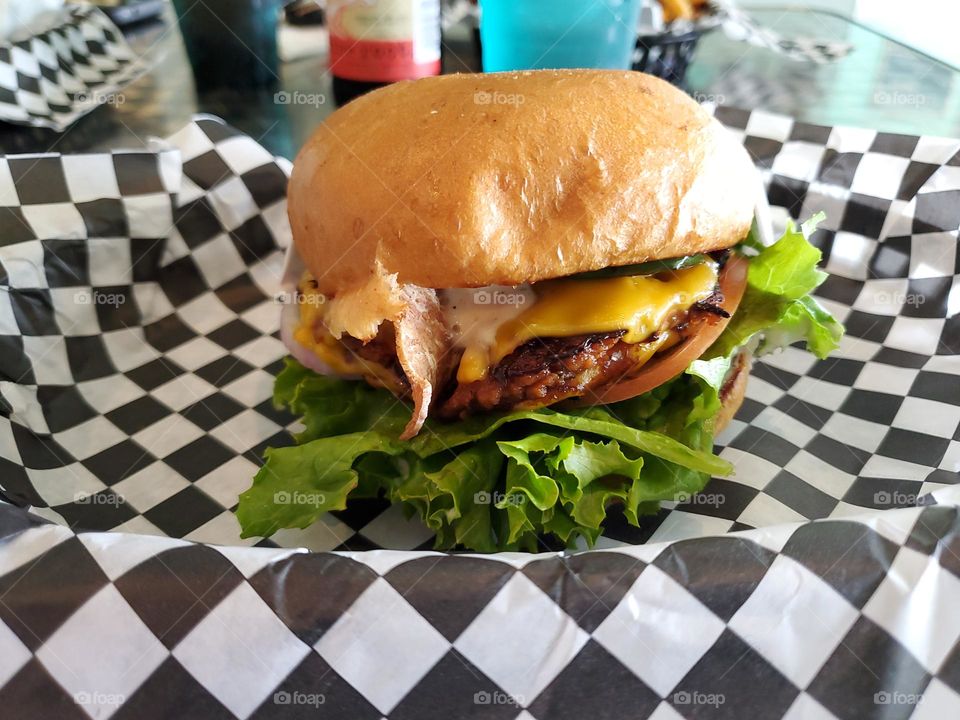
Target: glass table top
x,y
881,84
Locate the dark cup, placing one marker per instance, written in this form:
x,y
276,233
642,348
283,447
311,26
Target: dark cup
x,y
231,43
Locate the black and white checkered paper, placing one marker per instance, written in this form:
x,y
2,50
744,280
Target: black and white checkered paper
x,y
138,343
52,78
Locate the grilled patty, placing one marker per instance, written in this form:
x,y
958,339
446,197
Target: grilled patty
x,y
538,373
544,371
382,350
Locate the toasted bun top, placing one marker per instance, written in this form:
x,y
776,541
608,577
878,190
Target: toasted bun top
x,y
472,180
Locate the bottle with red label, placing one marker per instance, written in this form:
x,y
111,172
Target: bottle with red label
x,y
377,42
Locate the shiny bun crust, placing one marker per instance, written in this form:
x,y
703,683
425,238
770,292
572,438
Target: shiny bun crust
x,y
472,180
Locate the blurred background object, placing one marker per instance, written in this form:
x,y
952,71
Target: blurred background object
x,y
303,31
130,12
667,54
376,42
231,43
665,47
304,13
22,18
558,34
59,64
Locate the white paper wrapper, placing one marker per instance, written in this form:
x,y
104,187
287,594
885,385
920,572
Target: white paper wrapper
x,y
62,64
20,19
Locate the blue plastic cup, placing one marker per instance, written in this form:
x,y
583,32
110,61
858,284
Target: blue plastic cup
x,y
530,34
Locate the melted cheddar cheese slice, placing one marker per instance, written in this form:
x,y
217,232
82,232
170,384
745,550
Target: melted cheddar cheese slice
x,y
639,305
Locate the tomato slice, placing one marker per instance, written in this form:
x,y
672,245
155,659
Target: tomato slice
x,y
703,330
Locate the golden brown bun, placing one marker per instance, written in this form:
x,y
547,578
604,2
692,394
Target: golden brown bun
x,y
471,180
733,391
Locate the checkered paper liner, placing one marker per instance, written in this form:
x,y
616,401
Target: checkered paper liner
x,y
52,78
846,619
138,343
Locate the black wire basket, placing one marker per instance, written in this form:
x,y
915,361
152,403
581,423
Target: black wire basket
x,y
667,55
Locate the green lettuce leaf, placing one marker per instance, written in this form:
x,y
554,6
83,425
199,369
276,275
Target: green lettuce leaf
x,y
776,309
298,484
489,483
462,491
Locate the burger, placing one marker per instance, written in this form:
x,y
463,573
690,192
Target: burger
x,y
519,302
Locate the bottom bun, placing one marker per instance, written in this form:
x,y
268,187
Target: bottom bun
x,y
733,391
